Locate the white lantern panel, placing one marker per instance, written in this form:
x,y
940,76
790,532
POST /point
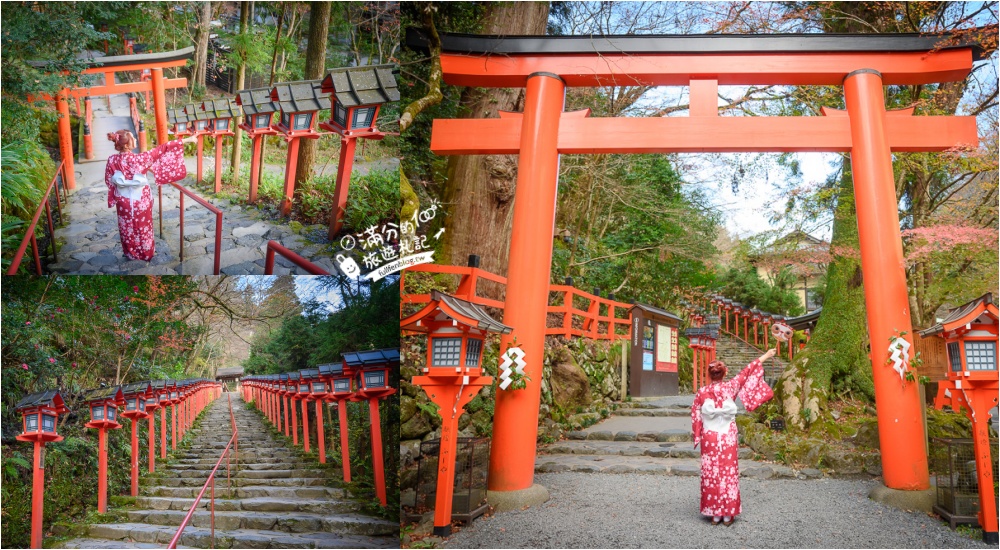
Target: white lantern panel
x,y
446,352
48,423
980,355
97,413
303,121
472,351
374,379
31,422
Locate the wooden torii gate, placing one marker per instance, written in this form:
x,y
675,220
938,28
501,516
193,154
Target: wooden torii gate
x,y
108,66
862,64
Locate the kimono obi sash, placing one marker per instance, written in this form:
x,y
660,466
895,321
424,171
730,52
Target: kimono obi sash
x,y
130,189
718,419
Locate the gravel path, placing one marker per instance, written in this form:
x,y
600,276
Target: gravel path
x,y
641,511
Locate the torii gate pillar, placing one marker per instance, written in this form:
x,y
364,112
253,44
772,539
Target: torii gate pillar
x,y
886,297
512,462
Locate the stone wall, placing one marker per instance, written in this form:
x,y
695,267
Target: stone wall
x,y
580,381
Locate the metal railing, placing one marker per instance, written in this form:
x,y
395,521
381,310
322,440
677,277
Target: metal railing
x,y
218,220
234,443
275,247
29,235
593,321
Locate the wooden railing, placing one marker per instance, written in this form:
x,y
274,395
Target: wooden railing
x,y
29,235
212,208
599,319
234,445
275,246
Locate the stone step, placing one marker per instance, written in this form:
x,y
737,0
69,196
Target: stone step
x,y
259,504
276,482
251,491
284,522
247,473
652,412
199,537
630,448
656,466
243,465
662,436
105,543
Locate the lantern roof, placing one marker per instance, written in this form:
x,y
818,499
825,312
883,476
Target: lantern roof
x,y
110,393
177,115
655,310
48,398
194,112
308,373
256,101
803,322
372,357
283,377
366,85
981,310
464,312
305,95
330,369
709,332
137,388
220,108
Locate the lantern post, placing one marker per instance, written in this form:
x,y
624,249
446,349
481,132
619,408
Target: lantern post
x,y
103,404
356,94
299,104
319,388
293,389
201,126
371,369
340,392
258,110
456,330
970,332
39,413
304,394
135,410
221,112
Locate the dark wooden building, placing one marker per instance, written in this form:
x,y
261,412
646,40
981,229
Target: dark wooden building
x,y
654,356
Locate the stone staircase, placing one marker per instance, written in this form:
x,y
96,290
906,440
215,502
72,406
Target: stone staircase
x,y
646,436
277,498
737,354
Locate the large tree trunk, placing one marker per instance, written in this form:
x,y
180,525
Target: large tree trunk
x,y
201,43
475,225
836,359
319,25
241,70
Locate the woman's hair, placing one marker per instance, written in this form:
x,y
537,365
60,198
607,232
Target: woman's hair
x,y
123,139
717,370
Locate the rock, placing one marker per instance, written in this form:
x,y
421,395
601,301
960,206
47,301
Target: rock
x,y
416,427
407,408
867,435
758,472
782,471
686,470
625,435
569,383
844,462
601,436
673,436
646,436
811,473
577,435
259,229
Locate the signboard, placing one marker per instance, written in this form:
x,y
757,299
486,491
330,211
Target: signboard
x,y
647,360
666,349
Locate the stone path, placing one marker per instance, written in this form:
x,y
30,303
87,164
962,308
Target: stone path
x,y
90,243
278,499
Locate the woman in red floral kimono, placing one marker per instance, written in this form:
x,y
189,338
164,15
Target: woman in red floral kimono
x,y
713,423
128,188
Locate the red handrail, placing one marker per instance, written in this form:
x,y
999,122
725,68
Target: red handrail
x,y
592,318
274,246
29,235
206,204
211,480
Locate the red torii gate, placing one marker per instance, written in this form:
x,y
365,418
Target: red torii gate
x,y
108,66
545,66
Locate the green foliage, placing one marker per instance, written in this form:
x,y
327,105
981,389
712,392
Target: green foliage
x,y
745,285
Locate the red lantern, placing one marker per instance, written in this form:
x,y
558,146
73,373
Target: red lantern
x,y
103,404
40,414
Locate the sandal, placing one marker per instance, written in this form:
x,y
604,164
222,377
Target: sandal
x,y
728,523
716,521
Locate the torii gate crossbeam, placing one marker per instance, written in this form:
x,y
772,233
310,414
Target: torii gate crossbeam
x,y
862,64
